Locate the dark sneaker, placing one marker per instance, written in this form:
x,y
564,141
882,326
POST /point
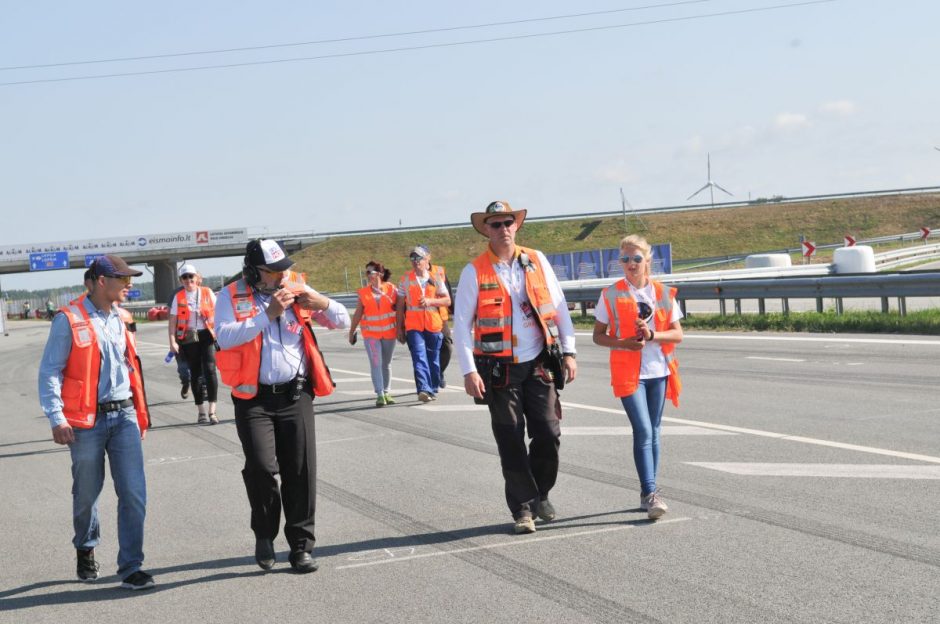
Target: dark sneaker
x,y
184,391
546,511
138,580
87,568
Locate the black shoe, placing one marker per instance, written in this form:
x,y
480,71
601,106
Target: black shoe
x,y
87,568
303,562
264,553
138,580
184,391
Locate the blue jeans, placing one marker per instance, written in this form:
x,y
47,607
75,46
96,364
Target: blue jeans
x,y
117,435
425,347
645,410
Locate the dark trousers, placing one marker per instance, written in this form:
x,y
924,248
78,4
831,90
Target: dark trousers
x,y
528,401
278,437
200,356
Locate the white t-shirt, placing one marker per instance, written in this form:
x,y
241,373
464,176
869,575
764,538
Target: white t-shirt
x,y
652,361
192,302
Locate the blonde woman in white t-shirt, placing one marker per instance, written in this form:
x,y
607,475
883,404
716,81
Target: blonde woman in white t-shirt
x,y
638,319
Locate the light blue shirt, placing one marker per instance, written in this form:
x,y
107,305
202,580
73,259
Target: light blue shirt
x,y
282,349
114,382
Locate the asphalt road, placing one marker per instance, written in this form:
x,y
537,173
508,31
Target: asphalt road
x,y
802,475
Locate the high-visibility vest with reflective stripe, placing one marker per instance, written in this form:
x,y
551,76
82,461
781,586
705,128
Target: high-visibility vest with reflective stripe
x,y
240,366
622,313
378,317
492,327
80,376
183,313
438,273
419,317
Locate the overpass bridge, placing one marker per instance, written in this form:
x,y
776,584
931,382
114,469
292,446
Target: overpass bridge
x,y
161,252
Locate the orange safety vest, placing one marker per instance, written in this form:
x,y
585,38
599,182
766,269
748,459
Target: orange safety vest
x,y
418,317
624,364
492,328
240,366
438,271
378,317
80,377
183,313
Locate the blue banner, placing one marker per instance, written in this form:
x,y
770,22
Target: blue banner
x,y
561,264
48,260
133,293
662,259
612,266
587,265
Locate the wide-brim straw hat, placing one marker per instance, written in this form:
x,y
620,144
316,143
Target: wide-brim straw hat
x,y
496,208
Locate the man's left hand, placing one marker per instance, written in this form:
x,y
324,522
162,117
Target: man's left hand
x,y
571,368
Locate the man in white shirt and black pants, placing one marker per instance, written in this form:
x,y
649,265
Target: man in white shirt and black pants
x,y
514,340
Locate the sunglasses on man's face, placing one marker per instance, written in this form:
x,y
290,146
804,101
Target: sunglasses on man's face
x,y
187,276
124,278
637,259
501,224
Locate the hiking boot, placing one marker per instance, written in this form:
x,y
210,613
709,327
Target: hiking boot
x,y
388,399
381,401
545,510
525,524
184,391
87,568
425,397
654,505
138,580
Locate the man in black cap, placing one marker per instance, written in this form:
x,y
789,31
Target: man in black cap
x,y
91,389
271,360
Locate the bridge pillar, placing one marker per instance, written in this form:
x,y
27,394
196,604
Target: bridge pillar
x,y
164,280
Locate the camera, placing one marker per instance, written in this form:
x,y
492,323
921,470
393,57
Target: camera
x,y
299,383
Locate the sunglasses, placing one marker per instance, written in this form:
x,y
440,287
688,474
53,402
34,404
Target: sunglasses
x,y
637,258
187,276
371,272
501,224
124,278
415,258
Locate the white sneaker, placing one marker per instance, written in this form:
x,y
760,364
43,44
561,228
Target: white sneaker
x,y
524,525
425,397
654,506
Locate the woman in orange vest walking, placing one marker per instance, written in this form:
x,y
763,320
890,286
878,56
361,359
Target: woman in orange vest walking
x,y
191,333
638,319
376,311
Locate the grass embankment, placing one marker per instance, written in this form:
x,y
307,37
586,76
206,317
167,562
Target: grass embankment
x,y
697,234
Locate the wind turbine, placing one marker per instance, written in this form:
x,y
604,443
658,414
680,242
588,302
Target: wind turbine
x,y
711,186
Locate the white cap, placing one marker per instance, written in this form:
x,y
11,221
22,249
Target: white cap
x,y
187,269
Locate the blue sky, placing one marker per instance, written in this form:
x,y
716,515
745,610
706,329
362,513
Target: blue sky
x,y
821,98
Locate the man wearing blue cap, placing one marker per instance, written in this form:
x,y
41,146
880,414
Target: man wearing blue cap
x,y
91,389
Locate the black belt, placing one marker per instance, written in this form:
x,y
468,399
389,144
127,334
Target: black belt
x,y
279,388
113,406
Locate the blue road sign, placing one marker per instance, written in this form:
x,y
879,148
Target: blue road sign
x,y
89,258
133,293
48,260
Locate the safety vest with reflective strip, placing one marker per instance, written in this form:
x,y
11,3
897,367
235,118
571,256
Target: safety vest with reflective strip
x,y
378,317
419,317
240,366
492,328
80,376
184,314
438,273
624,364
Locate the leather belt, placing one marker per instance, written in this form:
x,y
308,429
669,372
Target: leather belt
x,y
279,388
113,406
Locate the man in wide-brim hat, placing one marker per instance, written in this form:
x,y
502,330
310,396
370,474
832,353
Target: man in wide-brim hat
x,y
510,312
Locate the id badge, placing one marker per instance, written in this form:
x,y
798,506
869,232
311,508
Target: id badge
x,y
294,327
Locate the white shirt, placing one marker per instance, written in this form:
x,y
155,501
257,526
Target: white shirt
x,y
527,332
652,361
192,302
282,348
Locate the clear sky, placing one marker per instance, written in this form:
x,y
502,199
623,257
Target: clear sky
x,y
832,97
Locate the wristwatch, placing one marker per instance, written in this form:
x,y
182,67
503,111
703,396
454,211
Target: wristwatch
x,y
573,356
652,333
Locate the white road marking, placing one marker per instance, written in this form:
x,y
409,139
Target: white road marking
x,y
462,407
625,431
520,541
363,437
393,392
773,359
771,434
900,341
345,379
162,461
853,471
